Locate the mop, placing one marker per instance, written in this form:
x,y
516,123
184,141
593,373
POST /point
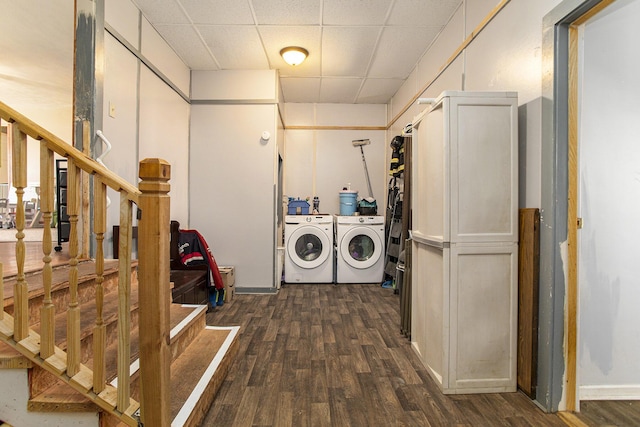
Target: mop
x,y
370,201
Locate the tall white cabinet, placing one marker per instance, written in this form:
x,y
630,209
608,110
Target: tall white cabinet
x,y
465,232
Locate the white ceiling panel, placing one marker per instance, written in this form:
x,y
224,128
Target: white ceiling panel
x,y
355,12
301,90
219,12
378,40
275,38
235,47
422,12
162,11
287,12
187,44
399,50
347,51
376,91
339,91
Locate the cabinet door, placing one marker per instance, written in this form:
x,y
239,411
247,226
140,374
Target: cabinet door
x,y
430,175
430,309
484,174
483,318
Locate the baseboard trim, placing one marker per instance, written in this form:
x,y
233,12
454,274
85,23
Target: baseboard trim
x,y
267,291
610,392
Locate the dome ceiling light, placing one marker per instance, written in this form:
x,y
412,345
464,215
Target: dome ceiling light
x,y
294,55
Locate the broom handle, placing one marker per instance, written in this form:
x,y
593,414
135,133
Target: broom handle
x,y
366,173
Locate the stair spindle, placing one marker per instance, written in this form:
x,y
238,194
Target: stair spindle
x,y
47,316
73,311
124,304
1,291
99,332
21,296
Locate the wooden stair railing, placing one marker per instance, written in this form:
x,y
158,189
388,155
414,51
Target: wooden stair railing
x,y
153,250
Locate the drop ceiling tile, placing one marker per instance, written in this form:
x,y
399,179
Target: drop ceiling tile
x,y
340,91
355,12
300,89
162,11
276,37
287,12
347,51
378,91
187,44
423,12
235,47
399,50
221,12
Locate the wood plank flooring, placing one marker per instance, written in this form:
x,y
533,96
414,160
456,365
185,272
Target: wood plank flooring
x,y
33,257
333,355
325,355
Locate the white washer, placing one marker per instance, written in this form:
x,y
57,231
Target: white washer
x,y
309,250
360,245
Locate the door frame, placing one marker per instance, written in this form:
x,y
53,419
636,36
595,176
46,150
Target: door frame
x,y
557,354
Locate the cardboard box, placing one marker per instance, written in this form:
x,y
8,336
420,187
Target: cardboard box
x,y
229,278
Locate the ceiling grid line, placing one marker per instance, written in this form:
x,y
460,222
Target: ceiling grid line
x,y
361,51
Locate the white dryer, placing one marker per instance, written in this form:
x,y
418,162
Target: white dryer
x,y
360,247
309,249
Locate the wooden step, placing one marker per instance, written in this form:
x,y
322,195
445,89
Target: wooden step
x,y
42,379
60,286
197,374
201,355
59,397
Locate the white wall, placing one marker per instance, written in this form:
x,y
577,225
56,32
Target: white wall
x,y
144,117
321,162
121,71
506,55
41,89
609,344
30,83
164,133
232,187
233,171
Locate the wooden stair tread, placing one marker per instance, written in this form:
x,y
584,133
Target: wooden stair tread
x,y
199,372
59,278
88,318
60,397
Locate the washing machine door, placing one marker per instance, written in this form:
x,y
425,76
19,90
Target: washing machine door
x,y
361,247
308,247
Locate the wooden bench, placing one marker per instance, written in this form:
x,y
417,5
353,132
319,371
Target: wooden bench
x,y
189,282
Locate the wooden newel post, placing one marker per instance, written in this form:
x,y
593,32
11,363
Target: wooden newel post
x,y
153,277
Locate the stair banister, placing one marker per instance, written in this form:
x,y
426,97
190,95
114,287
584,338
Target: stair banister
x,y
153,201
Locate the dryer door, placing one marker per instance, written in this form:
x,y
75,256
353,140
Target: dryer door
x,y
308,247
361,247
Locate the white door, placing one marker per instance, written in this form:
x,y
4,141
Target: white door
x,y
609,204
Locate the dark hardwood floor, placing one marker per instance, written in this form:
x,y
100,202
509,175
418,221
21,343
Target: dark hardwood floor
x,y
610,413
325,355
33,257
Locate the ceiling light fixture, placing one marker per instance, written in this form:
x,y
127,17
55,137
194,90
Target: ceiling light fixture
x,y
294,55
